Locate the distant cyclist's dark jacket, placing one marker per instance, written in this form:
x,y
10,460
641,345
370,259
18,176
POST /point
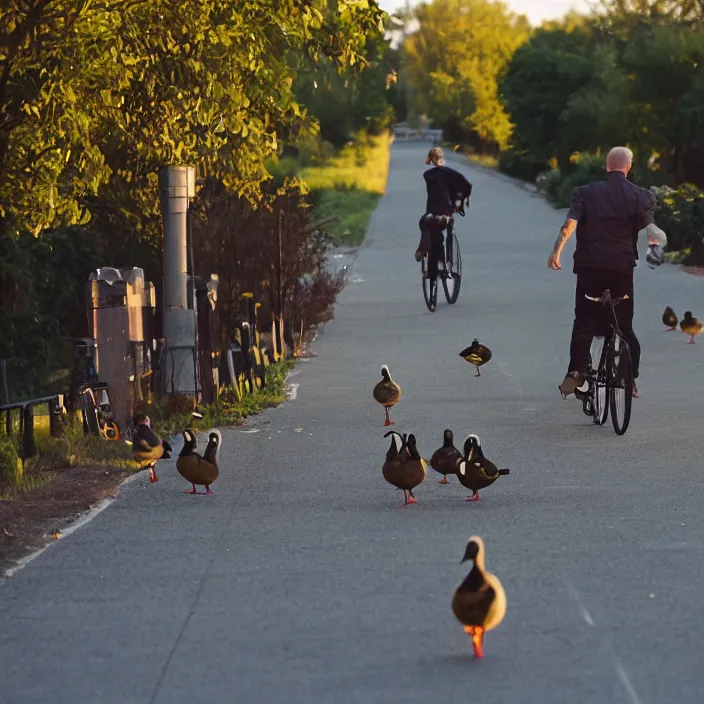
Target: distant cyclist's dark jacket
x,y
609,216
445,185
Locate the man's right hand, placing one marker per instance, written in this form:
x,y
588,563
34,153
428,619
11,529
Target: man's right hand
x,y
554,262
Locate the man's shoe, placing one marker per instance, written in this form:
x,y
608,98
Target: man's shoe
x,y
420,253
571,383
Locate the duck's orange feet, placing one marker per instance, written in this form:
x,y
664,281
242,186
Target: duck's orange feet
x,y
208,492
443,480
409,499
477,634
191,491
153,476
474,497
388,420
691,342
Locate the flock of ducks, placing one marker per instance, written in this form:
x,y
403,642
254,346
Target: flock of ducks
x,y
479,603
689,324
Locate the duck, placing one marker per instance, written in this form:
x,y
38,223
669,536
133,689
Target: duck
x,y
476,354
475,472
479,603
148,447
446,458
197,470
387,392
669,319
691,326
404,468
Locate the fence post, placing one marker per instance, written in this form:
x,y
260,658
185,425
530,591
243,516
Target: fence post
x,y
29,445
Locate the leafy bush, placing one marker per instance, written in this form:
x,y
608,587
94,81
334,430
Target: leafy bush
x,y
10,463
586,168
680,213
520,164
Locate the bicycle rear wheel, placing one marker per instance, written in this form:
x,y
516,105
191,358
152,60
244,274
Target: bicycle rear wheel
x,y
601,388
621,383
430,286
452,277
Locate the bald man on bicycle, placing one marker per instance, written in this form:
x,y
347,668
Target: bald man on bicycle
x,y
607,215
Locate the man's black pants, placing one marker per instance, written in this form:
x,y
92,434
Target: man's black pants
x,y
593,319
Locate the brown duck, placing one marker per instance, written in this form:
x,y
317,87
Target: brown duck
x,y
148,447
691,326
197,470
446,459
475,471
404,468
669,319
479,603
387,392
476,354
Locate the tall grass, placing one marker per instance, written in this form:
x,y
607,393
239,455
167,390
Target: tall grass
x,y
348,186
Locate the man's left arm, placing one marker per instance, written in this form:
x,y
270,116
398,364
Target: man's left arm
x,y
646,221
567,229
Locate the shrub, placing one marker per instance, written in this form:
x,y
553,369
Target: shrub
x,y
680,213
586,168
521,164
10,464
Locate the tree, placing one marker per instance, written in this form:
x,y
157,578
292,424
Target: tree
x,y
456,59
541,80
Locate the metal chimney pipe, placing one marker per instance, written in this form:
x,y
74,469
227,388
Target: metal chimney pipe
x,y
177,188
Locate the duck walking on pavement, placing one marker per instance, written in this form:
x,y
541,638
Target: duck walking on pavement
x,y
479,603
691,326
387,392
446,459
475,471
669,319
148,447
199,471
404,468
476,354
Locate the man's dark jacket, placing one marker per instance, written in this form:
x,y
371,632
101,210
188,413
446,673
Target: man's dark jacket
x,y
609,215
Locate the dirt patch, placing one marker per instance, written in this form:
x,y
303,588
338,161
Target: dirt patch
x,y
695,270
32,518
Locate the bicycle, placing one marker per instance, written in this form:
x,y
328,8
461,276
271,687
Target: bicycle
x,y
448,268
610,385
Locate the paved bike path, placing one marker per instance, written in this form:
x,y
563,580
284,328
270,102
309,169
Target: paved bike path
x,y
300,582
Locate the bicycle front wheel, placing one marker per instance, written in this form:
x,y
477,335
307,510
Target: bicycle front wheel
x,y
452,277
621,376
430,286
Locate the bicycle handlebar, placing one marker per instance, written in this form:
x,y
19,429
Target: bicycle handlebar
x,y
606,299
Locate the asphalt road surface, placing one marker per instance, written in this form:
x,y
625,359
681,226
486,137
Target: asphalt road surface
x,y
299,581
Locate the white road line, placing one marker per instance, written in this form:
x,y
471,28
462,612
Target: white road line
x,y
292,392
72,528
627,684
587,617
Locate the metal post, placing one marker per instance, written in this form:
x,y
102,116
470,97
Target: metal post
x,y
177,187
5,387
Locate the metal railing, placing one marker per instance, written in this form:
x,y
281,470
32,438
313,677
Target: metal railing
x,y
28,443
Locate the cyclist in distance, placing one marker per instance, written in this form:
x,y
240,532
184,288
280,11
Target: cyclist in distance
x,y
447,190
608,215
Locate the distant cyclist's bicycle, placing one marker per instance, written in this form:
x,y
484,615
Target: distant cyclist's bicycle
x,y
610,385
447,267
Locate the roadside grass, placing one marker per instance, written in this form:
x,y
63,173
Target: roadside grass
x,y
348,186
74,449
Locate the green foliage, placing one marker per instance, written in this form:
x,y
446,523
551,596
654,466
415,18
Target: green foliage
x,y
354,209
633,74
116,90
456,59
521,164
586,168
680,213
10,464
230,408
